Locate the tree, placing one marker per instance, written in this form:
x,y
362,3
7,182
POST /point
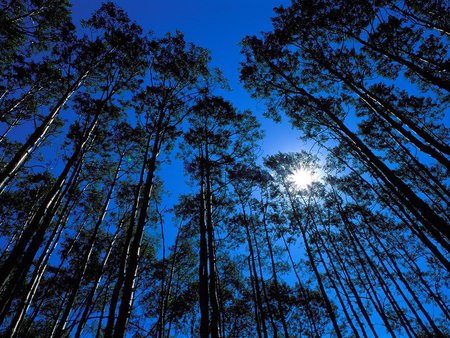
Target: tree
x,y
218,137
308,68
178,71
118,44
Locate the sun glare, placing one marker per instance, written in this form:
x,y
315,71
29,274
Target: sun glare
x,y
302,178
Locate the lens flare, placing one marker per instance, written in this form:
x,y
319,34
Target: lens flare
x,y
302,178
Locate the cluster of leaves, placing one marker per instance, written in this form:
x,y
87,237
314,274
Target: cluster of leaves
x,y
87,111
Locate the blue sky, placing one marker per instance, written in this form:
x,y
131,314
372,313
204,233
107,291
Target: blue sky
x,y
219,26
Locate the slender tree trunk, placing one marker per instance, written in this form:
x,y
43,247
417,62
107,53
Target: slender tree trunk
x,y
132,263
49,289
18,102
10,127
418,272
90,298
386,111
434,223
259,311
168,291
255,302
203,262
160,324
415,204
123,261
84,262
41,267
427,177
213,289
332,278
24,152
274,274
381,280
301,286
310,255
18,269
21,257
398,209
349,280
263,285
100,321
402,278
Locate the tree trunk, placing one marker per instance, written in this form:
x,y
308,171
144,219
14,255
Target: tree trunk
x,y
263,285
24,152
301,286
203,262
21,257
259,311
90,298
84,262
274,274
133,258
310,255
213,289
123,262
40,269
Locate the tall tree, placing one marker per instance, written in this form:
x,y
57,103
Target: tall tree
x,y
218,137
118,43
309,68
177,71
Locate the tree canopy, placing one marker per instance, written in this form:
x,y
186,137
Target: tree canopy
x,y
347,238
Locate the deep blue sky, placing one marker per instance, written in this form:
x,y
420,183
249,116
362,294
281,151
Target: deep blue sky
x,y
219,26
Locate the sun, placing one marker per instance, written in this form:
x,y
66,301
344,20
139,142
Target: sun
x,y
302,178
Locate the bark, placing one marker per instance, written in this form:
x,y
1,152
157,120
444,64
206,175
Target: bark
x,y
203,262
259,311
90,298
301,286
123,261
274,274
263,284
213,288
41,266
310,255
132,263
39,133
85,260
21,257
